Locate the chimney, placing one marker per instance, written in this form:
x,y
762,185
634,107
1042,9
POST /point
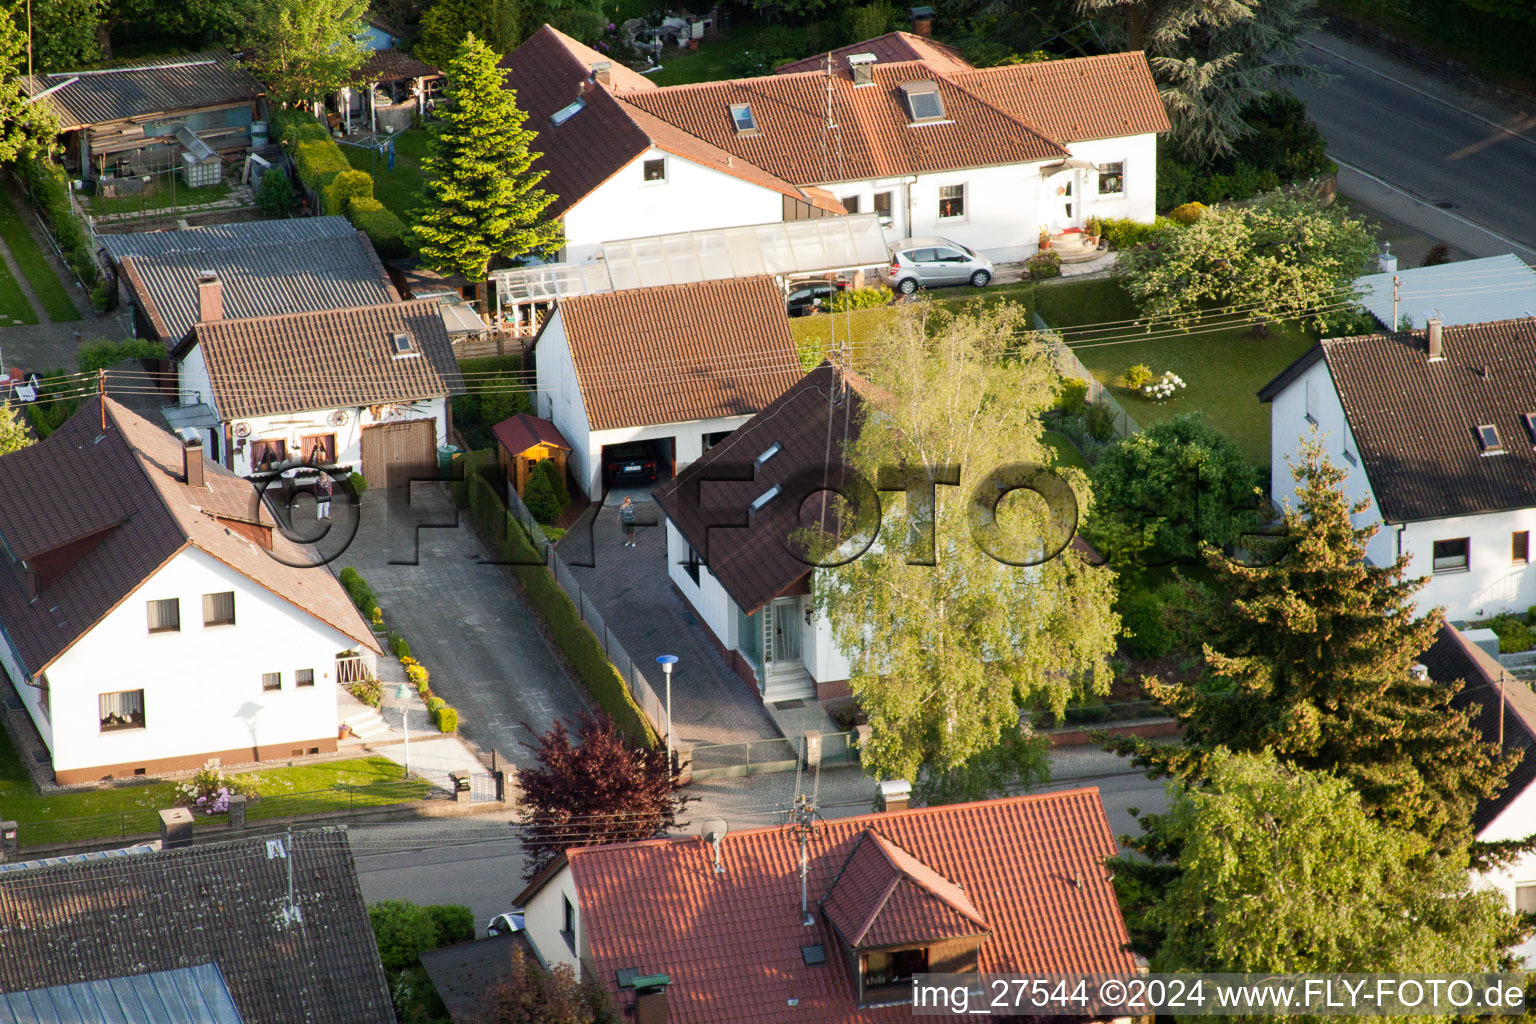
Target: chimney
x,y
602,72
210,297
861,67
1419,671
1432,336
1386,263
894,794
650,994
922,21
192,462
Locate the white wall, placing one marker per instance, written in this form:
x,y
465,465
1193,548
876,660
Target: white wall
x,y
202,686
687,435
708,598
692,197
824,658
1518,821
544,915
293,427
1139,154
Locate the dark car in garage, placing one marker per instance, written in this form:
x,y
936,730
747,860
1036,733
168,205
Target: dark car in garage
x,y
631,463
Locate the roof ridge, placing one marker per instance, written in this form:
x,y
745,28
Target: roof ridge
x,y
970,913
268,318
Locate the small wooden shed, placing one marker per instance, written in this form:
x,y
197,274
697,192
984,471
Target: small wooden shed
x,y
525,440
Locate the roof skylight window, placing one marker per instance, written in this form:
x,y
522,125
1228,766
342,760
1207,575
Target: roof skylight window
x,y
764,499
1488,437
566,112
924,102
769,452
741,117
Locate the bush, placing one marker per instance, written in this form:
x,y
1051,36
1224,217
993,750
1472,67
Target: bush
x,y
359,591
433,703
318,163
47,188
357,482
1146,632
275,196
101,296
1175,183
751,64
368,691
1122,232
1188,213
502,398
1099,421
455,923
417,673
1284,140
386,231
403,932
1071,396
1514,635
778,43
1136,377
540,499
335,198
1044,264
859,298
553,494
447,719
399,646
1438,253
290,127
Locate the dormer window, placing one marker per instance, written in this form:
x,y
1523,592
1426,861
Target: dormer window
x,y
861,66
763,499
566,112
1488,438
924,103
769,452
403,344
893,968
741,117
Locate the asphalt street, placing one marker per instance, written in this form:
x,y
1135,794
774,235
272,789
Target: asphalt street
x,y
1454,165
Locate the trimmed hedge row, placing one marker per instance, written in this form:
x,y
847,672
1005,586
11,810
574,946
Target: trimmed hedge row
x,y
319,162
578,643
47,188
383,228
323,168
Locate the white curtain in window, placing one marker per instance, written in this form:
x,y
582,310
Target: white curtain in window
x,y
125,704
165,614
219,607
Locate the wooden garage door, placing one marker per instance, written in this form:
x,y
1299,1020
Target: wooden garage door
x,y
396,453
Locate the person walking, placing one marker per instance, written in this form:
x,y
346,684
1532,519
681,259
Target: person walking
x,y
323,488
627,521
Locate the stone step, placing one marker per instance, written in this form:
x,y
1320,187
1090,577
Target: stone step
x,y
792,686
368,726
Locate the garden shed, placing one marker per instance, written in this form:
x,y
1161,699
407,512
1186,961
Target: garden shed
x,y
522,442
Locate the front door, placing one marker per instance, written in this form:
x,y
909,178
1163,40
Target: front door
x,y
781,636
1067,210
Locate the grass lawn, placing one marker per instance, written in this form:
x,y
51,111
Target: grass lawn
x,y
161,195
14,307
1066,452
396,189
368,781
50,291
711,61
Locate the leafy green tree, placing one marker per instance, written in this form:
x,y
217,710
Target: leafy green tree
x,y
1282,870
534,995
275,196
502,398
1020,759
540,498
64,33
1175,484
403,931
1310,657
193,25
13,433
305,49
1289,257
481,197
447,22
26,129
947,657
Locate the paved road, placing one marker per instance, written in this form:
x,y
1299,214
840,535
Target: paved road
x,y
1422,151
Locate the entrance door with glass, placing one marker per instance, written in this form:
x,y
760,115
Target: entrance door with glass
x,y
781,637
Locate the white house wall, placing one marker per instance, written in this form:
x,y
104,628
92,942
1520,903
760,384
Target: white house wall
x,y
1518,821
709,600
202,685
824,658
293,427
692,197
544,916
687,437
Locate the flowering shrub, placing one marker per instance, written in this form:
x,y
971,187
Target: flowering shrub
x,y
208,792
368,691
1164,388
1137,377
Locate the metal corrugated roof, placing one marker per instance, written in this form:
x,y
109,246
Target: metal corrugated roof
x,y
114,94
1469,292
218,237
181,996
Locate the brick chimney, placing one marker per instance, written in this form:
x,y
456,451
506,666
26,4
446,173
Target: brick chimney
x,y
602,72
894,794
210,297
922,21
192,462
1432,336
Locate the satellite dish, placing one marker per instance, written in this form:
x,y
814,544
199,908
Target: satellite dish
x,y
713,829
242,430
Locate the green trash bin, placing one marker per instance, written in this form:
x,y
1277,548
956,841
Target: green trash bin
x,y
445,454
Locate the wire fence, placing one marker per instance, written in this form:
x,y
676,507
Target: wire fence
x,y
780,754
1070,366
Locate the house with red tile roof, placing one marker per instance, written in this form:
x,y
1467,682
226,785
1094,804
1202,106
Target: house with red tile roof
x,y
641,382
898,126
153,612
716,931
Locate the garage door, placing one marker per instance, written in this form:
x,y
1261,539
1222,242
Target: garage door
x,y
396,453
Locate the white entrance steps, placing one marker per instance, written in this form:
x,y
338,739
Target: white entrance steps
x,y
794,684
364,722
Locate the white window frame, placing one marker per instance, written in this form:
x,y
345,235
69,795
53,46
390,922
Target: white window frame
x,y
1312,403
965,203
665,171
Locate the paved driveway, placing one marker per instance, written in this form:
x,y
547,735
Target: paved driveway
x,y
466,621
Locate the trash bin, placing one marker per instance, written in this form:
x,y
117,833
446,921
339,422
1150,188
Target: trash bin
x,y
258,134
445,454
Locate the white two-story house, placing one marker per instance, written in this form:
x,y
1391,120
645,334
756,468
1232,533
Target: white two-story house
x,y
1437,429
985,156
153,615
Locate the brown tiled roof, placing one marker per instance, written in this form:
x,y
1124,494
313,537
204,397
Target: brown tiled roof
x,y
155,86
1415,422
1032,866
1075,99
223,903
750,561
887,49
120,492
392,65
521,432
883,896
875,137
328,359
549,71
680,352
465,974
1479,678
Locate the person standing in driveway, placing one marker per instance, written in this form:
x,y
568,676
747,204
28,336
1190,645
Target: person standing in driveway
x,y
627,521
323,487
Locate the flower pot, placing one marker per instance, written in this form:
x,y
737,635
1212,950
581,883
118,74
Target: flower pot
x,y
1045,243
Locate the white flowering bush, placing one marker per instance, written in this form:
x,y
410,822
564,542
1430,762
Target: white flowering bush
x,y
208,792
1164,387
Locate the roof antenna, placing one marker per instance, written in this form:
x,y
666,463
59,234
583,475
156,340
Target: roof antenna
x,y
101,392
714,831
802,821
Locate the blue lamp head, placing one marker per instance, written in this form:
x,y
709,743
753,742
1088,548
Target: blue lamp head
x,y
666,661
402,692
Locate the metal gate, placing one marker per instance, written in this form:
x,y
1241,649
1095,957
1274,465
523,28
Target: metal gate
x,y
396,453
482,788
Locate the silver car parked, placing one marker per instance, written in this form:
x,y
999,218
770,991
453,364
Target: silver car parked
x,y
925,262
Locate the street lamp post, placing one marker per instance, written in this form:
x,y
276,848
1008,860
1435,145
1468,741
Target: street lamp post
x,y
402,695
666,661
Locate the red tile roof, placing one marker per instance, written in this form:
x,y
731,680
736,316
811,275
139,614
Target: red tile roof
x,y
874,138
681,352
884,896
1076,99
105,509
519,433
1032,866
887,49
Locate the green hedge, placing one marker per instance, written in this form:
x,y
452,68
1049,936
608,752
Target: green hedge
x,y
359,591
319,162
335,198
383,228
580,647
447,719
47,188
291,127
